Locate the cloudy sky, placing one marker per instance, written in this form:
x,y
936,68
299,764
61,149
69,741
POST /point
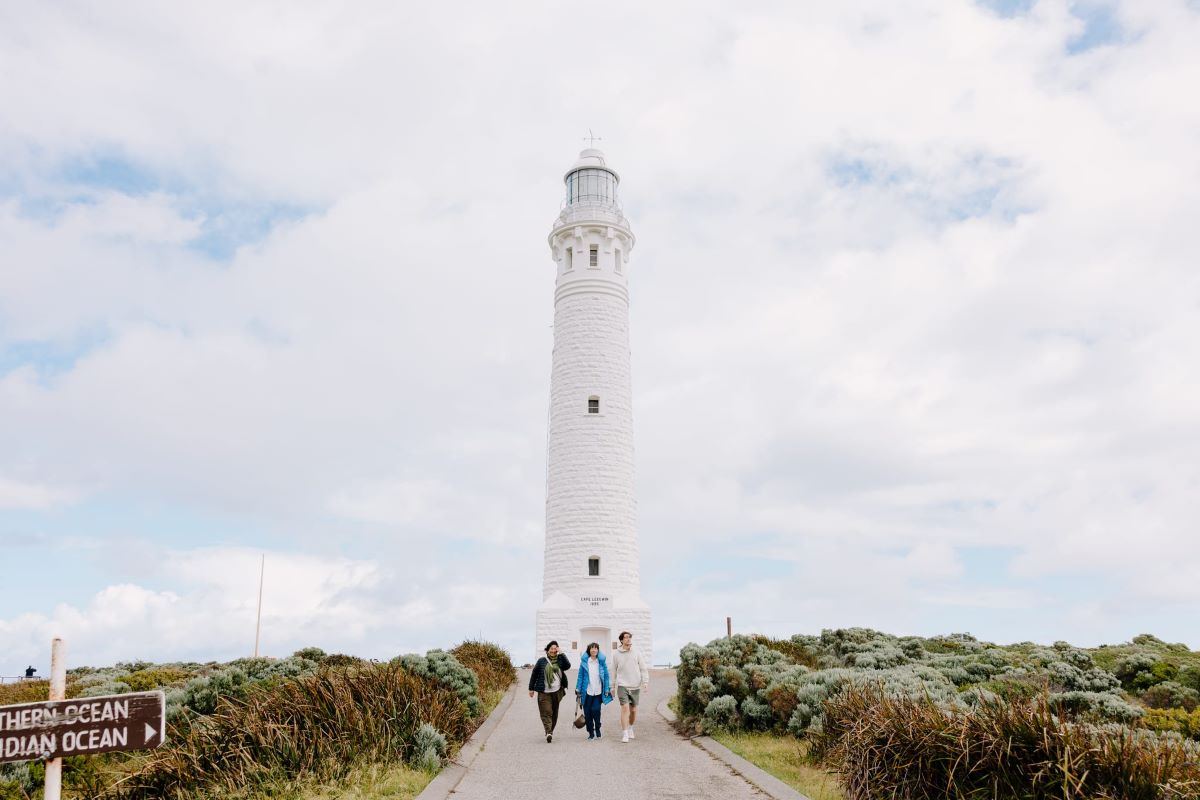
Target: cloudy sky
x,y
915,317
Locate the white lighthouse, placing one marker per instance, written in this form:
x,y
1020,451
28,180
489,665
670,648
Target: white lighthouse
x,y
591,590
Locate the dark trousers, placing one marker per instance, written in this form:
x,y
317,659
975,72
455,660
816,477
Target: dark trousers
x,y
548,708
592,703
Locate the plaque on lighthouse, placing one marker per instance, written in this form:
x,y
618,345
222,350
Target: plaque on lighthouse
x,y
591,588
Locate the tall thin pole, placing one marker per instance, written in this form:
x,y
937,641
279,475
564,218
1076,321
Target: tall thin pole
x,y
58,691
262,571
729,627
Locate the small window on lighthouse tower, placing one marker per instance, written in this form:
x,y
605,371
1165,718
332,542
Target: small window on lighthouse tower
x,y
594,256
593,405
594,567
617,260
569,258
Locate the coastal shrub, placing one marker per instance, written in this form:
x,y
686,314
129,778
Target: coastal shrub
x,y
721,713
108,687
1170,694
756,715
310,653
1071,669
1131,667
440,666
1175,720
1099,706
428,748
703,690
150,678
957,669
21,780
904,747
202,694
491,664
796,649
724,663
319,726
236,679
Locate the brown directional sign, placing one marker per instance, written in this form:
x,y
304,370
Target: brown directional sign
x,y
83,726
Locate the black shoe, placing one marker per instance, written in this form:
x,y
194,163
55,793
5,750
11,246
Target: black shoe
x,y
549,738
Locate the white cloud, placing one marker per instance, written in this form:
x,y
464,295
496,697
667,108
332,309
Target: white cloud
x,y
909,279
35,496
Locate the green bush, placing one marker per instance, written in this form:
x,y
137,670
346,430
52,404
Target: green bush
x,y
444,668
1170,694
428,748
202,694
1175,720
1099,706
721,713
310,653
773,692
237,678
150,678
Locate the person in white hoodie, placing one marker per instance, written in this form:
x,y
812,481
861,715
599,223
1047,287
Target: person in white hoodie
x,y
630,676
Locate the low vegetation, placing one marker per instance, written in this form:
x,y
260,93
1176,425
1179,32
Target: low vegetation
x,y
953,717
886,745
286,728
782,757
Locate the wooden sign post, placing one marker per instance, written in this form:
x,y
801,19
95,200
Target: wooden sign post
x,y
82,726
58,691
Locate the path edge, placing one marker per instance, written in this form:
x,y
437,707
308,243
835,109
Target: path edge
x,y
446,781
756,776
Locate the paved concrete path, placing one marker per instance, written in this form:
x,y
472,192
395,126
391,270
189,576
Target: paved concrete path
x,y
516,763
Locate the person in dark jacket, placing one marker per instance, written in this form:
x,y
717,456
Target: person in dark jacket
x,y
549,683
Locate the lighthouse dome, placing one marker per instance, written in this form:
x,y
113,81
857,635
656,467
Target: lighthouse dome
x,y
591,180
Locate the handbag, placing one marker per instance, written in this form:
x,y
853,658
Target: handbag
x,y
579,720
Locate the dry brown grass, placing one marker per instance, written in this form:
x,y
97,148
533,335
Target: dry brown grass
x,y
24,692
887,747
490,663
320,727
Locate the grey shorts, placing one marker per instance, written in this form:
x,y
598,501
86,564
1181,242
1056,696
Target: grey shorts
x,y
628,697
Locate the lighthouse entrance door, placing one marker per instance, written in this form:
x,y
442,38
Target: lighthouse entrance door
x,y
602,636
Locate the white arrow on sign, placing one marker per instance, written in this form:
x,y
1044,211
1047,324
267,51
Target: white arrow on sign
x,y
150,734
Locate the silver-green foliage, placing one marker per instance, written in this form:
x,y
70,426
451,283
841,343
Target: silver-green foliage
x,y
429,748
235,679
447,670
721,713
749,683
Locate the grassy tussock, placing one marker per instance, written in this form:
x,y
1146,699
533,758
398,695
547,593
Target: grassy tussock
x,y
890,747
319,726
491,664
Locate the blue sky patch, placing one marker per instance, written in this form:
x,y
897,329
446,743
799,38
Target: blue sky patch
x,y
1007,8
227,227
111,173
48,357
226,222
1101,27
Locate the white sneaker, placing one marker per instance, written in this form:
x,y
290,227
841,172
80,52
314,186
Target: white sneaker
x,y
625,736
631,736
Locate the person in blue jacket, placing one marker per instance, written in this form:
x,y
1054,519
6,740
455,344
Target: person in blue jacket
x,y
592,687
